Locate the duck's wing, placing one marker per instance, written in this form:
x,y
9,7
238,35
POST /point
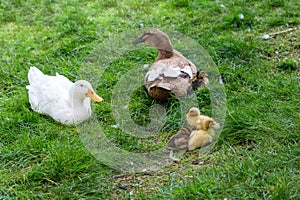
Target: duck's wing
x,y
199,138
182,142
172,67
178,141
186,62
170,75
48,94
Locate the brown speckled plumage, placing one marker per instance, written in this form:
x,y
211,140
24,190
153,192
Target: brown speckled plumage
x,y
171,73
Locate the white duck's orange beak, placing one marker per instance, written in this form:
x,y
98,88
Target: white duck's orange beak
x,y
94,96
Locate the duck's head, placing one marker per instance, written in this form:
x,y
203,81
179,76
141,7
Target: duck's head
x,y
185,130
207,123
83,89
156,38
193,112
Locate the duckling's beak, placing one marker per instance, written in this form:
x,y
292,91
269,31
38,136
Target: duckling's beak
x,y
93,96
138,40
216,125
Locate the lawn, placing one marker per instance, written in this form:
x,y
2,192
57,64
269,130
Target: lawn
x,y
257,153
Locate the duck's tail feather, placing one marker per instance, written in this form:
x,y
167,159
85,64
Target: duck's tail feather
x,y
33,73
200,80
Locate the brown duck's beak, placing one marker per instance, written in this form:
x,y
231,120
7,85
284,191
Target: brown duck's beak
x,y
94,96
138,40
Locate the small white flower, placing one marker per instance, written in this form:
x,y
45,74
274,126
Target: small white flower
x,y
115,126
266,36
141,25
222,6
220,80
241,16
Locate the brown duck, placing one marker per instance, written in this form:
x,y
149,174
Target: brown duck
x,y
171,73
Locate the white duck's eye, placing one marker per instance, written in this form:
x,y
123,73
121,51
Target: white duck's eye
x,y
81,85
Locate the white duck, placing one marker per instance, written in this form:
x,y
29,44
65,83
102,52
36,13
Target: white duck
x,y
59,98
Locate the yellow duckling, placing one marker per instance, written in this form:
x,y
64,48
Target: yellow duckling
x,y
171,73
193,117
58,97
204,134
200,138
198,121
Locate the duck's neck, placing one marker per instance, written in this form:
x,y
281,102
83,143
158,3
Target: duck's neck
x,y
80,103
81,107
165,48
163,54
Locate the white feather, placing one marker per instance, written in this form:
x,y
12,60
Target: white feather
x,y
188,70
171,72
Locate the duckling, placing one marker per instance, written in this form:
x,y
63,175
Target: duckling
x,y
200,80
58,97
198,121
180,139
171,73
206,123
193,117
204,136
200,138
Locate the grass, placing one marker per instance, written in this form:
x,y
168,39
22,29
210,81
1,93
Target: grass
x,y
257,154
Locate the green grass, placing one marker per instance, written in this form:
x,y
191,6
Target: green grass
x,y
257,154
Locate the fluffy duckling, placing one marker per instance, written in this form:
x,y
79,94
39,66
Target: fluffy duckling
x,y
198,121
180,139
58,97
204,134
171,73
200,138
193,117
200,80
